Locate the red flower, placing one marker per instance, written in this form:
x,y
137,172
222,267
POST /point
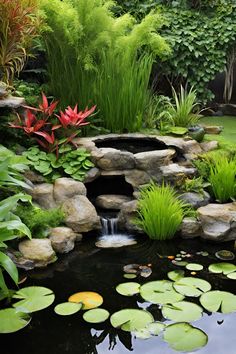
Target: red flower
x,y
44,107
74,118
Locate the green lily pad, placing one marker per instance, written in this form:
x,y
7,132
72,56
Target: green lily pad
x,y
176,275
96,315
67,308
184,337
179,263
34,298
128,289
152,329
160,292
231,275
216,301
194,266
225,255
190,286
182,311
130,276
225,268
12,321
131,319
143,334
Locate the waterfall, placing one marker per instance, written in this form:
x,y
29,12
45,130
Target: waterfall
x,y
109,226
111,237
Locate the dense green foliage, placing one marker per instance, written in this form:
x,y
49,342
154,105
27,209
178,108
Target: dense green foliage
x,y
88,43
39,220
160,211
73,163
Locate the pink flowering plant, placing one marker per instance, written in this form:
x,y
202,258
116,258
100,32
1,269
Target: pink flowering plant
x,y
57,154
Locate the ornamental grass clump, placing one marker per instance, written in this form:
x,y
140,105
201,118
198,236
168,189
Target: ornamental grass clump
x,y
160,212
222,178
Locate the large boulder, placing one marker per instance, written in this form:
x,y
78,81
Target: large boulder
x,y
148,159
62,239
65,188
137,177
43,195
190,228
111,201
80,214
39,251
218,221
114,159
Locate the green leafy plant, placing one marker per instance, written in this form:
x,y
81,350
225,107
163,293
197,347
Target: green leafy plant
x,y
73,163
31,91
222,178
195,184
115,77
160,211
39,220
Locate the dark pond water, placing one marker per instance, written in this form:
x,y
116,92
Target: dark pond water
x,y
89,268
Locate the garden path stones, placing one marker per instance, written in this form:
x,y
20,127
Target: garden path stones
x,y
218,221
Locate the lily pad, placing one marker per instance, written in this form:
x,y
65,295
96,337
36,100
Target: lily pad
x,y
143,334
231,275
12,321
128,289
96,315
225,255
131,319
216,301
152,329
34,298
184,337
176,275
182,311
225,268
194,266
67,308
160,292
190,286
130,276
89,299
179,263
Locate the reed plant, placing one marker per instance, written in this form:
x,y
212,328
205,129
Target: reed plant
x,y
182,110
222,178
160,212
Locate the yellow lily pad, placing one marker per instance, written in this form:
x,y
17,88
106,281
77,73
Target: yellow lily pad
x,y
89,299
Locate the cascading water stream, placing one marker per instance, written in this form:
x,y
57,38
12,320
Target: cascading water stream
x,y
111,237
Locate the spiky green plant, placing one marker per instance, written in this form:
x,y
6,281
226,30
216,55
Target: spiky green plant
x,y
222,178
160,212
182,111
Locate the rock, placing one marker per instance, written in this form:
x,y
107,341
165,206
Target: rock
x,y
228,109
62,239
43,195
66,188
190,228
34,177
137,177
114,159
3,90
146,160
218,221
209,145
12,102
111,201
38,250
91,175
127,215
213,129
20,261
196,200
192,147
80,214
174,172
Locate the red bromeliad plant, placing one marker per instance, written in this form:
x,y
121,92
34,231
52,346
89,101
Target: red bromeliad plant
x,y
39,123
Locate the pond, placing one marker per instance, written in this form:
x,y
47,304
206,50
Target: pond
x,y
92,269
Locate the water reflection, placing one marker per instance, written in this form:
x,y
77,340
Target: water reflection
x,y
89,268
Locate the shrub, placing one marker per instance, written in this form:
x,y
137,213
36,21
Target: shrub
x,y
222,178
160,211
18,28
85,40
39,220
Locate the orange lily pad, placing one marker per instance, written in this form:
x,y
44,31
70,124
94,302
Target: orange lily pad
x,y
89,299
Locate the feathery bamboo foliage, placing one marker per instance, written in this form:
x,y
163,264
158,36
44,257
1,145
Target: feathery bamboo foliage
x,y
160,212
93,57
